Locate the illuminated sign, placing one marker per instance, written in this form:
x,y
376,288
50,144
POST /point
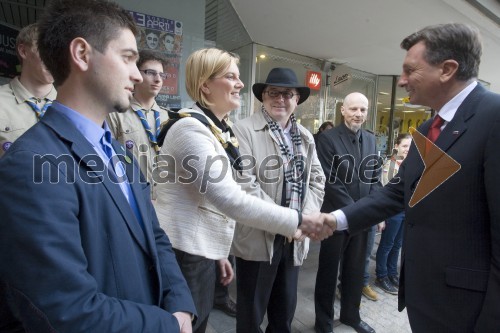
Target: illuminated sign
x,y
313,80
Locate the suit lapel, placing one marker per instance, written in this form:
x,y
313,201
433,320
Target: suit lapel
x,y
458,125
346,141
87,158
366,145
133,176
450,134
349,146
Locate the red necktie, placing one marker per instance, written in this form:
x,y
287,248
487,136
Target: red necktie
x,y
435,128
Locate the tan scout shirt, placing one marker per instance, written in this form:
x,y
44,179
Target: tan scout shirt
x,y
16,116
127,128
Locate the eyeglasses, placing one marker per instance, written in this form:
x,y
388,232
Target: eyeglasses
x,y
153,73
276,93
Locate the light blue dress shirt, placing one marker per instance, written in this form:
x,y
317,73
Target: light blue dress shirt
x,y
94,135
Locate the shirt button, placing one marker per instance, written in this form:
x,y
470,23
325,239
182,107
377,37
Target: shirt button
x,y
7,128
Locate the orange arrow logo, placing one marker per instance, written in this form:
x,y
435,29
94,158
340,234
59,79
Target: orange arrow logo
x,y
439,167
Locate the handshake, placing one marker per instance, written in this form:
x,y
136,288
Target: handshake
x,y
317,226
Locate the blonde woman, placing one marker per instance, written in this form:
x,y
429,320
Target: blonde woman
x,y
198,200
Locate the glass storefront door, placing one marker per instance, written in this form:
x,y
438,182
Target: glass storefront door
x,y
395,114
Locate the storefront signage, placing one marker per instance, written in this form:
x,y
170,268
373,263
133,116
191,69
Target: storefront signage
x,y
8,56
163,35
313,80
340,78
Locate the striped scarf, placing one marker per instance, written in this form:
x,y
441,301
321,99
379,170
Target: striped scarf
x,y
293,160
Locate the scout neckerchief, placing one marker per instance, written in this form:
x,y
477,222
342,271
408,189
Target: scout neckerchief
x,y
293,160
152,136
33,103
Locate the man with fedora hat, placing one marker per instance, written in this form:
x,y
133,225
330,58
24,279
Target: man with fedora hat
x,y
287,172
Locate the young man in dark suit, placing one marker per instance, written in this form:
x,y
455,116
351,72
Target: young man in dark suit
x,y
81,249
449,189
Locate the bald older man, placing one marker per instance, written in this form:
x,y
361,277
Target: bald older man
x,y
346,153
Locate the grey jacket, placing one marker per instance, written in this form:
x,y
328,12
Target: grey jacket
x,y
255,140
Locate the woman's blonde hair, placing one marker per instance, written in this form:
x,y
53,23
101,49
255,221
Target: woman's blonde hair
x,y
204,65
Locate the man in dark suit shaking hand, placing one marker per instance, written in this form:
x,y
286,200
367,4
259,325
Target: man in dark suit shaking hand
x,y
81,249
450,275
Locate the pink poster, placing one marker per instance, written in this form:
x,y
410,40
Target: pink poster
x,y
165,36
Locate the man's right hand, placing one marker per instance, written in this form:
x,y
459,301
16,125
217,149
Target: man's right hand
x,y
318,226
184,320
331,221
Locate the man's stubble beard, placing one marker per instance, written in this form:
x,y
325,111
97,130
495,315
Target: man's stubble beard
x,y
120,108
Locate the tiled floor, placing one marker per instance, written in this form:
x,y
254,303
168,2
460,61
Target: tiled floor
x,y
382,315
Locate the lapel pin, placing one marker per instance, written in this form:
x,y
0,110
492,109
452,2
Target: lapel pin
x,y
128,160
455,132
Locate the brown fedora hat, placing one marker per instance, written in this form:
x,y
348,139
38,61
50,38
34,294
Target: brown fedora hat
x,y
282,77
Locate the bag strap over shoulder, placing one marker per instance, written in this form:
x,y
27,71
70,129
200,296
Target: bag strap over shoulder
x,y
231,147
173,117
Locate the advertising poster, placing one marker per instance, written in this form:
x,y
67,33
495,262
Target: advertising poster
x,y
165,36
8,57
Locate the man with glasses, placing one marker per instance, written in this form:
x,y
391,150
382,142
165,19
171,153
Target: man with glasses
x,y
138,128
268,265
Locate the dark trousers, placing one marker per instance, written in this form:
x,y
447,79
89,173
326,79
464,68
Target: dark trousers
x,y
262,286
389,247
199,273
352,249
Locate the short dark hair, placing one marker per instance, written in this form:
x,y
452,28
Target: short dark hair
x,y
401,137
145,55
456,41
325,125
97,21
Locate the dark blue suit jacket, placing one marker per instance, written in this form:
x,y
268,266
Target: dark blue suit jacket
x,y
348,179
73,257
450,274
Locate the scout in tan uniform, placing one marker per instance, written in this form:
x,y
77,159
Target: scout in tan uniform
x,y
26,97
138,128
